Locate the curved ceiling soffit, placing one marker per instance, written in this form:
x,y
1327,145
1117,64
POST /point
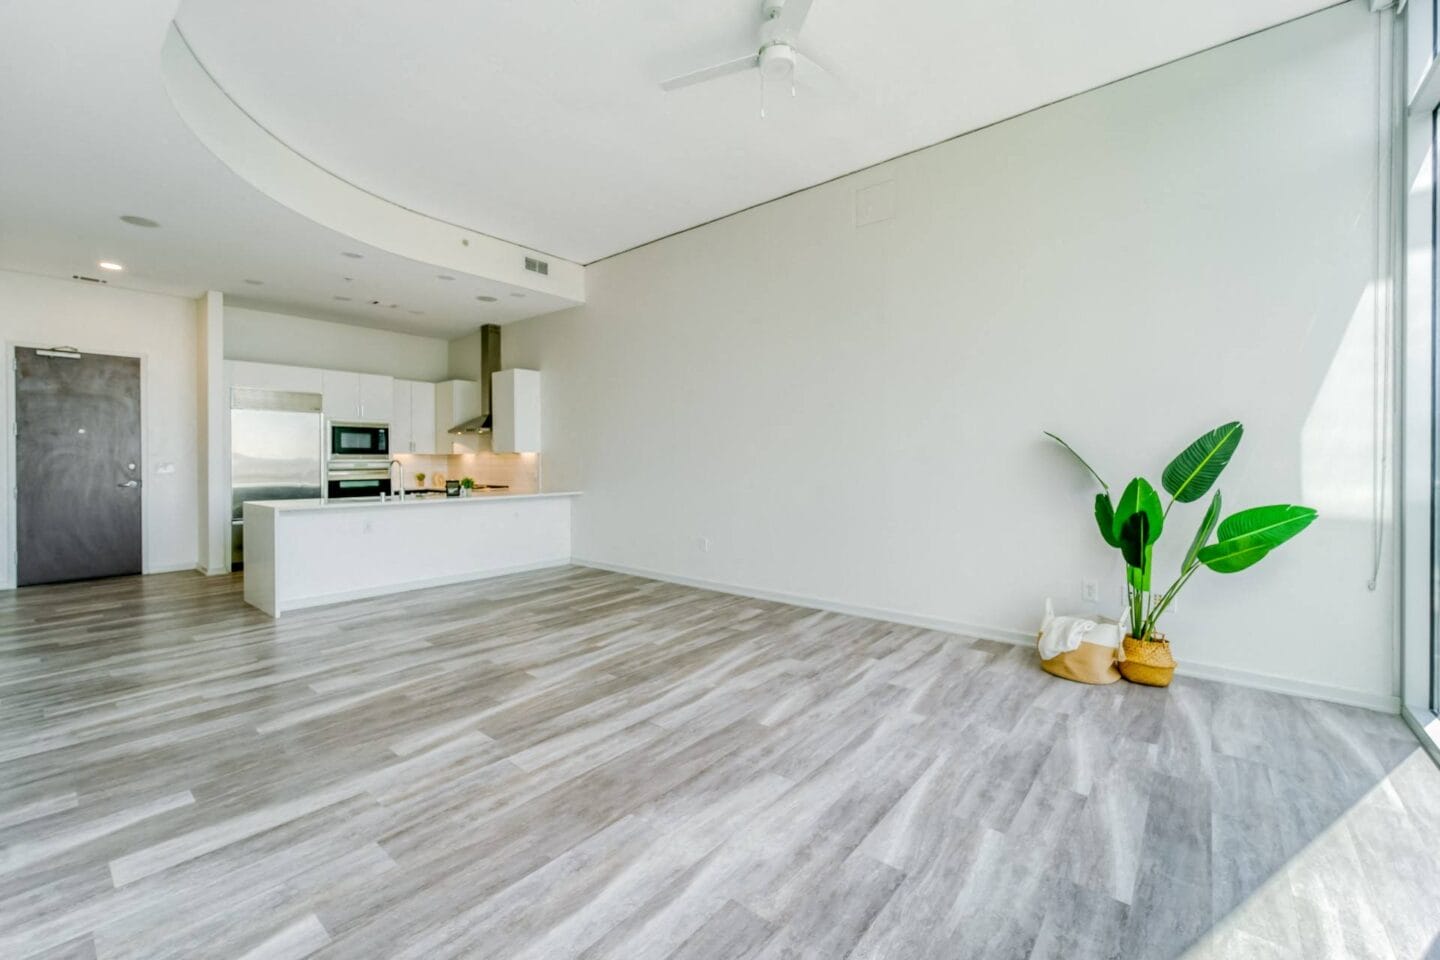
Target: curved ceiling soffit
x,y
294,181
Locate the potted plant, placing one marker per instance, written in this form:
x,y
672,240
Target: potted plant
x,y
420,480
469,484
1134,523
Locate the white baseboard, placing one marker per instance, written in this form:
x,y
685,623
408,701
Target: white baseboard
x,y
168,568
205,571
320,600
834,606
1201,671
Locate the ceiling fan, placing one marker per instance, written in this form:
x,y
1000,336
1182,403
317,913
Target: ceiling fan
x,y
776,53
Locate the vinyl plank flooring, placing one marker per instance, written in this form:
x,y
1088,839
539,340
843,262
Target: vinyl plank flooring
x,y
579,764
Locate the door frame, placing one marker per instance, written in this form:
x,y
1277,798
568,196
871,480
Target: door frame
x,y
11,561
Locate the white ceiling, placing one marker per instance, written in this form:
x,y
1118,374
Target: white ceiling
x,y
88,134
537,122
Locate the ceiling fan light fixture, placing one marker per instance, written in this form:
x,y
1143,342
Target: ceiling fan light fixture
x,y
777,62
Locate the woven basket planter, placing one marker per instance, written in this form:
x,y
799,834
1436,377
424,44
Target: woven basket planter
x,y
1148,662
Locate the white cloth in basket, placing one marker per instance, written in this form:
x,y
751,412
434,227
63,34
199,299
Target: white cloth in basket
x,y
1062,634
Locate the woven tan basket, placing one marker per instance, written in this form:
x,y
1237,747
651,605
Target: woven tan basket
x,y
1087,663
1148,662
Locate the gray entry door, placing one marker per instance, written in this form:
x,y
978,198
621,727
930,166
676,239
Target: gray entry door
x,y
77,466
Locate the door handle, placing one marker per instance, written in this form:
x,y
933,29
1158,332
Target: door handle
x,y
129,483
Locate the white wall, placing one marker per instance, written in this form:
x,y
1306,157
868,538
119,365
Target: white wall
x,y
305,342
42,311
853,415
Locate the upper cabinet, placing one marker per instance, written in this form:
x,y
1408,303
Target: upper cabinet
x,y
377,398
402,437
455,402
342,395
412,420
274,376
419,414
422,418
365,397
515,411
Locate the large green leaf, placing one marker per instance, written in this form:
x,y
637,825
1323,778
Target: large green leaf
x,y
1077,456
1134,537
1273,524
1140,498
1202,536
1246,537
1232,556
1105,518
1139,520
1191,475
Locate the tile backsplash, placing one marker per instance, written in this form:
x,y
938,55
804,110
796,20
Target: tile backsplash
x,y
519,471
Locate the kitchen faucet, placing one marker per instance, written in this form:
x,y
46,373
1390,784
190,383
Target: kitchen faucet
x,y
395,463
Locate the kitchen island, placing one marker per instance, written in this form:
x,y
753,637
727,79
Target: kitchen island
x,y
306,553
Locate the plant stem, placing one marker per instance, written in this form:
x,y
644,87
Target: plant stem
x,y
1166,600
1137,619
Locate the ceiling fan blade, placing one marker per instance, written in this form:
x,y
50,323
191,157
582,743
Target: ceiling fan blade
x,y
711,73
792,17
823,65
819,77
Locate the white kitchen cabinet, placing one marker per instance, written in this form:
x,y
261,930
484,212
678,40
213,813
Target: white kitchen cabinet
x,y
422,418
342,395
275,376
412,418
515,411
402,437
377,398
365,397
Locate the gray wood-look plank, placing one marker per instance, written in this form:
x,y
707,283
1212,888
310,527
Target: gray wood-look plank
x,y
579,764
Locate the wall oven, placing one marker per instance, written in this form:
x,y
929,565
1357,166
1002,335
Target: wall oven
x,y
350,440
357,479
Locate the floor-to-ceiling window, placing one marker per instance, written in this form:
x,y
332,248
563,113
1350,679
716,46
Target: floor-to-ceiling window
x,y
1415,87
1434,400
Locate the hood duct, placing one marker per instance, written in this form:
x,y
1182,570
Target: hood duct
x,y
489,365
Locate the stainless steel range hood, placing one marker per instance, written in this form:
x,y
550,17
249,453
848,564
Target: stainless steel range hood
x,y
489,364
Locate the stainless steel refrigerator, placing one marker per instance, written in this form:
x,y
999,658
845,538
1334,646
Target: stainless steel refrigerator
x,y
276,451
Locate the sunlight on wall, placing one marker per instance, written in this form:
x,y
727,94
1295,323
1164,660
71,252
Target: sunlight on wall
x,y
1337,442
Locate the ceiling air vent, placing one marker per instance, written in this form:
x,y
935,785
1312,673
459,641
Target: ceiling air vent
x,y
537,266
76,276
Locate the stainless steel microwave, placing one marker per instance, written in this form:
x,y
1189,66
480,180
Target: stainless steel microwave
x,y
350,440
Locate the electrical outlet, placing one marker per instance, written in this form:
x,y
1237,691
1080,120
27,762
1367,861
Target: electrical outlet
x,y
703,543
1090,591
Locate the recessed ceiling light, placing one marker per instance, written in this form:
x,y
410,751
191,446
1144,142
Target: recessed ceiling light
x,y
338,297
517,294
110,265
417,313
352,256
486,299
255,283
135,221
444,276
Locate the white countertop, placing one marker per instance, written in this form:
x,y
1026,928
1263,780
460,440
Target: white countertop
x,y
297,506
